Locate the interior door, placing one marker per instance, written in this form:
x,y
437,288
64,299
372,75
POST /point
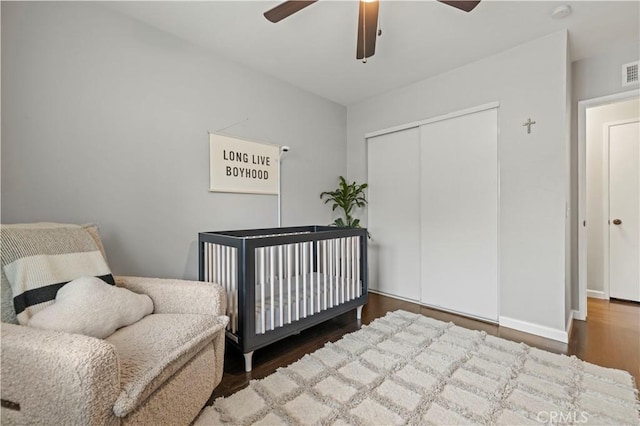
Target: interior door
x,y
624,211
459,192
394,213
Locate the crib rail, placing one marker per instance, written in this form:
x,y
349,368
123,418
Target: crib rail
x,y
276,279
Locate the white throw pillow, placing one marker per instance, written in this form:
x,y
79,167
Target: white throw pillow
x,y
90,306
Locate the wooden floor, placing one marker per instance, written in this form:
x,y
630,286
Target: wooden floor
x,y
610,337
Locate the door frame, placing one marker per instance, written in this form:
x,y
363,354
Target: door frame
x,y
581,312
606,202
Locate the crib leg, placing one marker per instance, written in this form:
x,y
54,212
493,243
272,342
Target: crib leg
x,y
359,312
248,357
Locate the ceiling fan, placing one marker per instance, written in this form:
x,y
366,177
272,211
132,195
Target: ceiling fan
x,y
367,20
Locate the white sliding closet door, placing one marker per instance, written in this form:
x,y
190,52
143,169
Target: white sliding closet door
x,y
459,209
394,213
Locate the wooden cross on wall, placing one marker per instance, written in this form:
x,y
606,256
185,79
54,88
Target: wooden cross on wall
x,y
528,125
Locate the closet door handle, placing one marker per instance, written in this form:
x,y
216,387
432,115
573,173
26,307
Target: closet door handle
x,y
617,222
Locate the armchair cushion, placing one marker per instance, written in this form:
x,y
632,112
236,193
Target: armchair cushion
x,y
154,349
38,259
90,306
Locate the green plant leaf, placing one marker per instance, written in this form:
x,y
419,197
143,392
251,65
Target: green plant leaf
x,y
346,197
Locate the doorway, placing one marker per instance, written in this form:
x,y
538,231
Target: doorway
x,y
593,213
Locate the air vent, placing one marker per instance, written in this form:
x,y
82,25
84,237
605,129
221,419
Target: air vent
x,y
630,73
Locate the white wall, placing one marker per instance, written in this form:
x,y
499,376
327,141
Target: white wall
x,y
105,119
529,81
596,118
601,75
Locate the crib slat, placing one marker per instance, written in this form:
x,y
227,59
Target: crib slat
x,y
347,273
316,273
352,273
359,286
341,270
280,280
234,289
309,302
207,262
332,273
263,319
212,262
356,263
304,280
297,265
226,255
309,287
338,275
324,273
345,269
337,254
218,269
343,246
272,270
288,283
349,276
330,270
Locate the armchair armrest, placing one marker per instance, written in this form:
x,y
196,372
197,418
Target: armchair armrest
x,y
171,296
52,377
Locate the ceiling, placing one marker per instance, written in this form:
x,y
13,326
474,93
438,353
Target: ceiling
x,y
315,48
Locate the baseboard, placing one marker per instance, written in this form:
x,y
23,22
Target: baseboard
x,y
538,330
569,326
393,296
597,294
527,327
435,308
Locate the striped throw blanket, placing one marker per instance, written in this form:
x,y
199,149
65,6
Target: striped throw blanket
x,y
38,259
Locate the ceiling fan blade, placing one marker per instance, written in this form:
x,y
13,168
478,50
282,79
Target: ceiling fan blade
x,y
367,29
286,9
467,6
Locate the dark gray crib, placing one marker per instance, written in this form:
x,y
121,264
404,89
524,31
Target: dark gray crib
x,y
280,281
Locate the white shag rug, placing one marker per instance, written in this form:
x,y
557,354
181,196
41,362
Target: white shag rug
x,y
406,368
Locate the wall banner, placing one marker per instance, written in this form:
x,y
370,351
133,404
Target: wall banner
x,y
238,165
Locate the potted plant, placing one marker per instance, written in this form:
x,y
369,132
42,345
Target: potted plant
x,y
346,197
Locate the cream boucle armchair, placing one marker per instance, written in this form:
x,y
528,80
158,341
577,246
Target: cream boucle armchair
x,y
160,370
